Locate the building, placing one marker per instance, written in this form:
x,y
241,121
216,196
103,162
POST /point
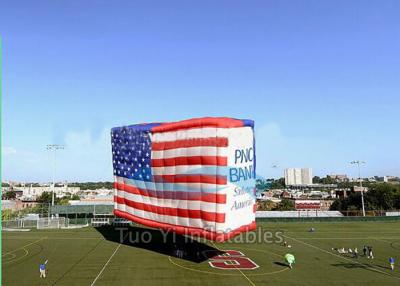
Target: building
x,y
387,179
339,178
17,205
360,189
298,176
32,193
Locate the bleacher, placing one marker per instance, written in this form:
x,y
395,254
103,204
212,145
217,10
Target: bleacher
x,y
297,214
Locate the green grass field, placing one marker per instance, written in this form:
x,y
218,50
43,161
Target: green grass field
x,y
94,257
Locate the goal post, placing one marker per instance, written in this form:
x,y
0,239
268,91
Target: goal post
x,y
51,223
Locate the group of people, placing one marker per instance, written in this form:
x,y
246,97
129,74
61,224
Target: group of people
x,y
352,252
367,250
286,244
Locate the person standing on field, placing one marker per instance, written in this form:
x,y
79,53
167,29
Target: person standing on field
x,y
370,254
391,262
42,270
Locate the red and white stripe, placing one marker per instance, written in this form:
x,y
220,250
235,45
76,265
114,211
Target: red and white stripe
x,y
174,156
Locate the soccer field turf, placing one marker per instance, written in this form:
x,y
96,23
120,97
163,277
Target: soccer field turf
x,y
91,256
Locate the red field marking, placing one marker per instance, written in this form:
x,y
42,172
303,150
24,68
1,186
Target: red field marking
x,y
232,259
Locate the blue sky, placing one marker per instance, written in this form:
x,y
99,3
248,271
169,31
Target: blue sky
x,y
321,79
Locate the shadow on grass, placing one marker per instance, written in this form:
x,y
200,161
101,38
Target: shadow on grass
x,y
170,243
383,267
92,249
351,265
360,266
281,264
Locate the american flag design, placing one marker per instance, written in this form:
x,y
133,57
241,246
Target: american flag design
x,y
194,177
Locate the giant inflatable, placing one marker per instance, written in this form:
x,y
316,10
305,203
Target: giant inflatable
x,y
194,177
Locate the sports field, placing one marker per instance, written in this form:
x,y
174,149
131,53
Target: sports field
x,y
92,256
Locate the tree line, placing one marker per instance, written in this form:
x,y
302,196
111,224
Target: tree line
x,y
380,196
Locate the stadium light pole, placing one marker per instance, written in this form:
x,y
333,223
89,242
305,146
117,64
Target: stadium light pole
x,y
359,163
54,148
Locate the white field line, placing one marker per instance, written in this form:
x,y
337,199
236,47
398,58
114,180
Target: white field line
x,y
22,247
105,265
347,238
244,275
345,258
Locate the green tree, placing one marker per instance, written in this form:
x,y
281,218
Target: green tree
x,y
45,198
380,196
7,214
63,201
285,205
9,195
316,180
75,197
265,205
278,184
262,185
328,180
93,185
